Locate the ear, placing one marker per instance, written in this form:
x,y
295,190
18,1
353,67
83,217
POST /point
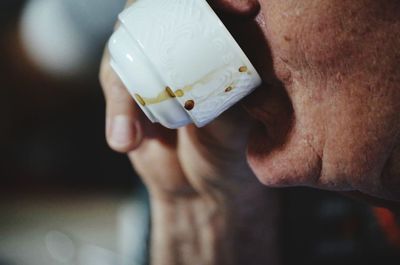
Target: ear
x,y
243,8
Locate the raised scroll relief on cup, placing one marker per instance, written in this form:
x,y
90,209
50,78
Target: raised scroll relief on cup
x,y
197,68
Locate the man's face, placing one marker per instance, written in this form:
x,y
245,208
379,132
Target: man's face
x,y
328,111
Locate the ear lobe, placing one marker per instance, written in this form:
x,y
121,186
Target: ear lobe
x,y
243,8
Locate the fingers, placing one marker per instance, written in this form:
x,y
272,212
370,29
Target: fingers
x,y
123,127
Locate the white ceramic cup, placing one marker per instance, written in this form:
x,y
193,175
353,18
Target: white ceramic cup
x,y
179,61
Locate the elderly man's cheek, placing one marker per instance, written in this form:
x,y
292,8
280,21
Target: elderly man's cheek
x,y
295,162
290,163
280,149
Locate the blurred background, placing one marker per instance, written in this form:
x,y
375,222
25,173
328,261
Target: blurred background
x,y
66,198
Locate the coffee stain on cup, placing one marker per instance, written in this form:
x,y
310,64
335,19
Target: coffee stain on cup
x,y
189,105
228,89
243,69
168,93
179,93
140,100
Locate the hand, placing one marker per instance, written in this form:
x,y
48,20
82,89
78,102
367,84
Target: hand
x,y
188,161
199,182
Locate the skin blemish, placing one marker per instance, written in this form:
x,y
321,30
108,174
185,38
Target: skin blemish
x,y
287,38
284,60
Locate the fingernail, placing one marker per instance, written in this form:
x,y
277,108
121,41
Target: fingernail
x,y
121,132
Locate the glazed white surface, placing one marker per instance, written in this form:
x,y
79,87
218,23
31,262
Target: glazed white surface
x,y
180,44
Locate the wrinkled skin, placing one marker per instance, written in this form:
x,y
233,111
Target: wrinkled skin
x,y
338,67
327,115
